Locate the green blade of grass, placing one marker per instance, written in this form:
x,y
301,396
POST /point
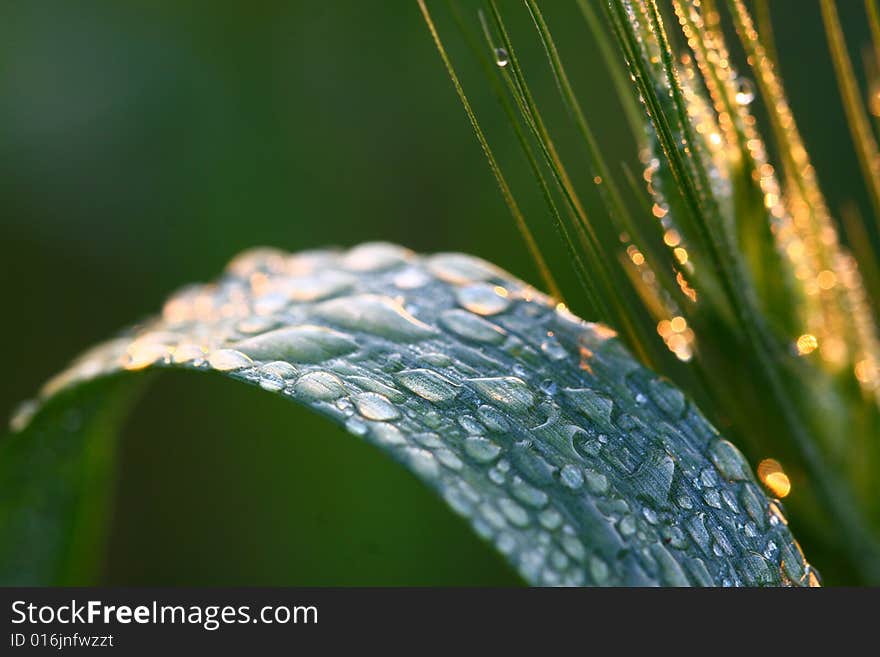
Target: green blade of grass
x,y
857,118
509,200
610,280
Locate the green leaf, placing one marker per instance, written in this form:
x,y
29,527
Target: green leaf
x,y
578,464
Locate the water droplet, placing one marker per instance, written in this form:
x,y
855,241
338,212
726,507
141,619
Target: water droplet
x,y
472,327
654,478
493,419
793,562
671,572
300,344
684,502
627,526
668,398
428,384
513,512
369,384
254,324
411,278
501,57
188,353
753,502
317,286
480,449
375,256
375,314
553,349
729,461
509,392
387,434
493,517
448,458
424,464
571,476
558,560
319,386
505,543
599,571
674,537
460,269
374,406
745,91
699,572
356,426
142,354
429,440
435,359
595,405
708,478
548,387
483,299
470,425
271,383
777,515
528,494
550,519
596,482
573,547
279,368
225,360
756,570
696,527
712,498
583,443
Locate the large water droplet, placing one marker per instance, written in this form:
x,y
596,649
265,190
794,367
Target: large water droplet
x,y
279,368
300,344
375,314
321,285
594,404
374,406
482,298
480,449
375,256
471,327
492,419
513,512
508,392
502,59
459,269
669,398
225,360
319,386
428,384
729,461
671,573
372,385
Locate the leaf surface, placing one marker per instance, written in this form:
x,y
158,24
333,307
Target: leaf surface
x,y
579,465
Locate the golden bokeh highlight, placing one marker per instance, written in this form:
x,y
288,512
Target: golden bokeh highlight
x,y
771,474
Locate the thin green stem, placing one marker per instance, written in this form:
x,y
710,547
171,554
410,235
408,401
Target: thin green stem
x,y
512,205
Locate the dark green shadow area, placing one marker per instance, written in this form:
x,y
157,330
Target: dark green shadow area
x,y
223,484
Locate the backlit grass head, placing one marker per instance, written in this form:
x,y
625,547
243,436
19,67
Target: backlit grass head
x,y
720,262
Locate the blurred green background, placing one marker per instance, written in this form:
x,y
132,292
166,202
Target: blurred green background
x,y
142,144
